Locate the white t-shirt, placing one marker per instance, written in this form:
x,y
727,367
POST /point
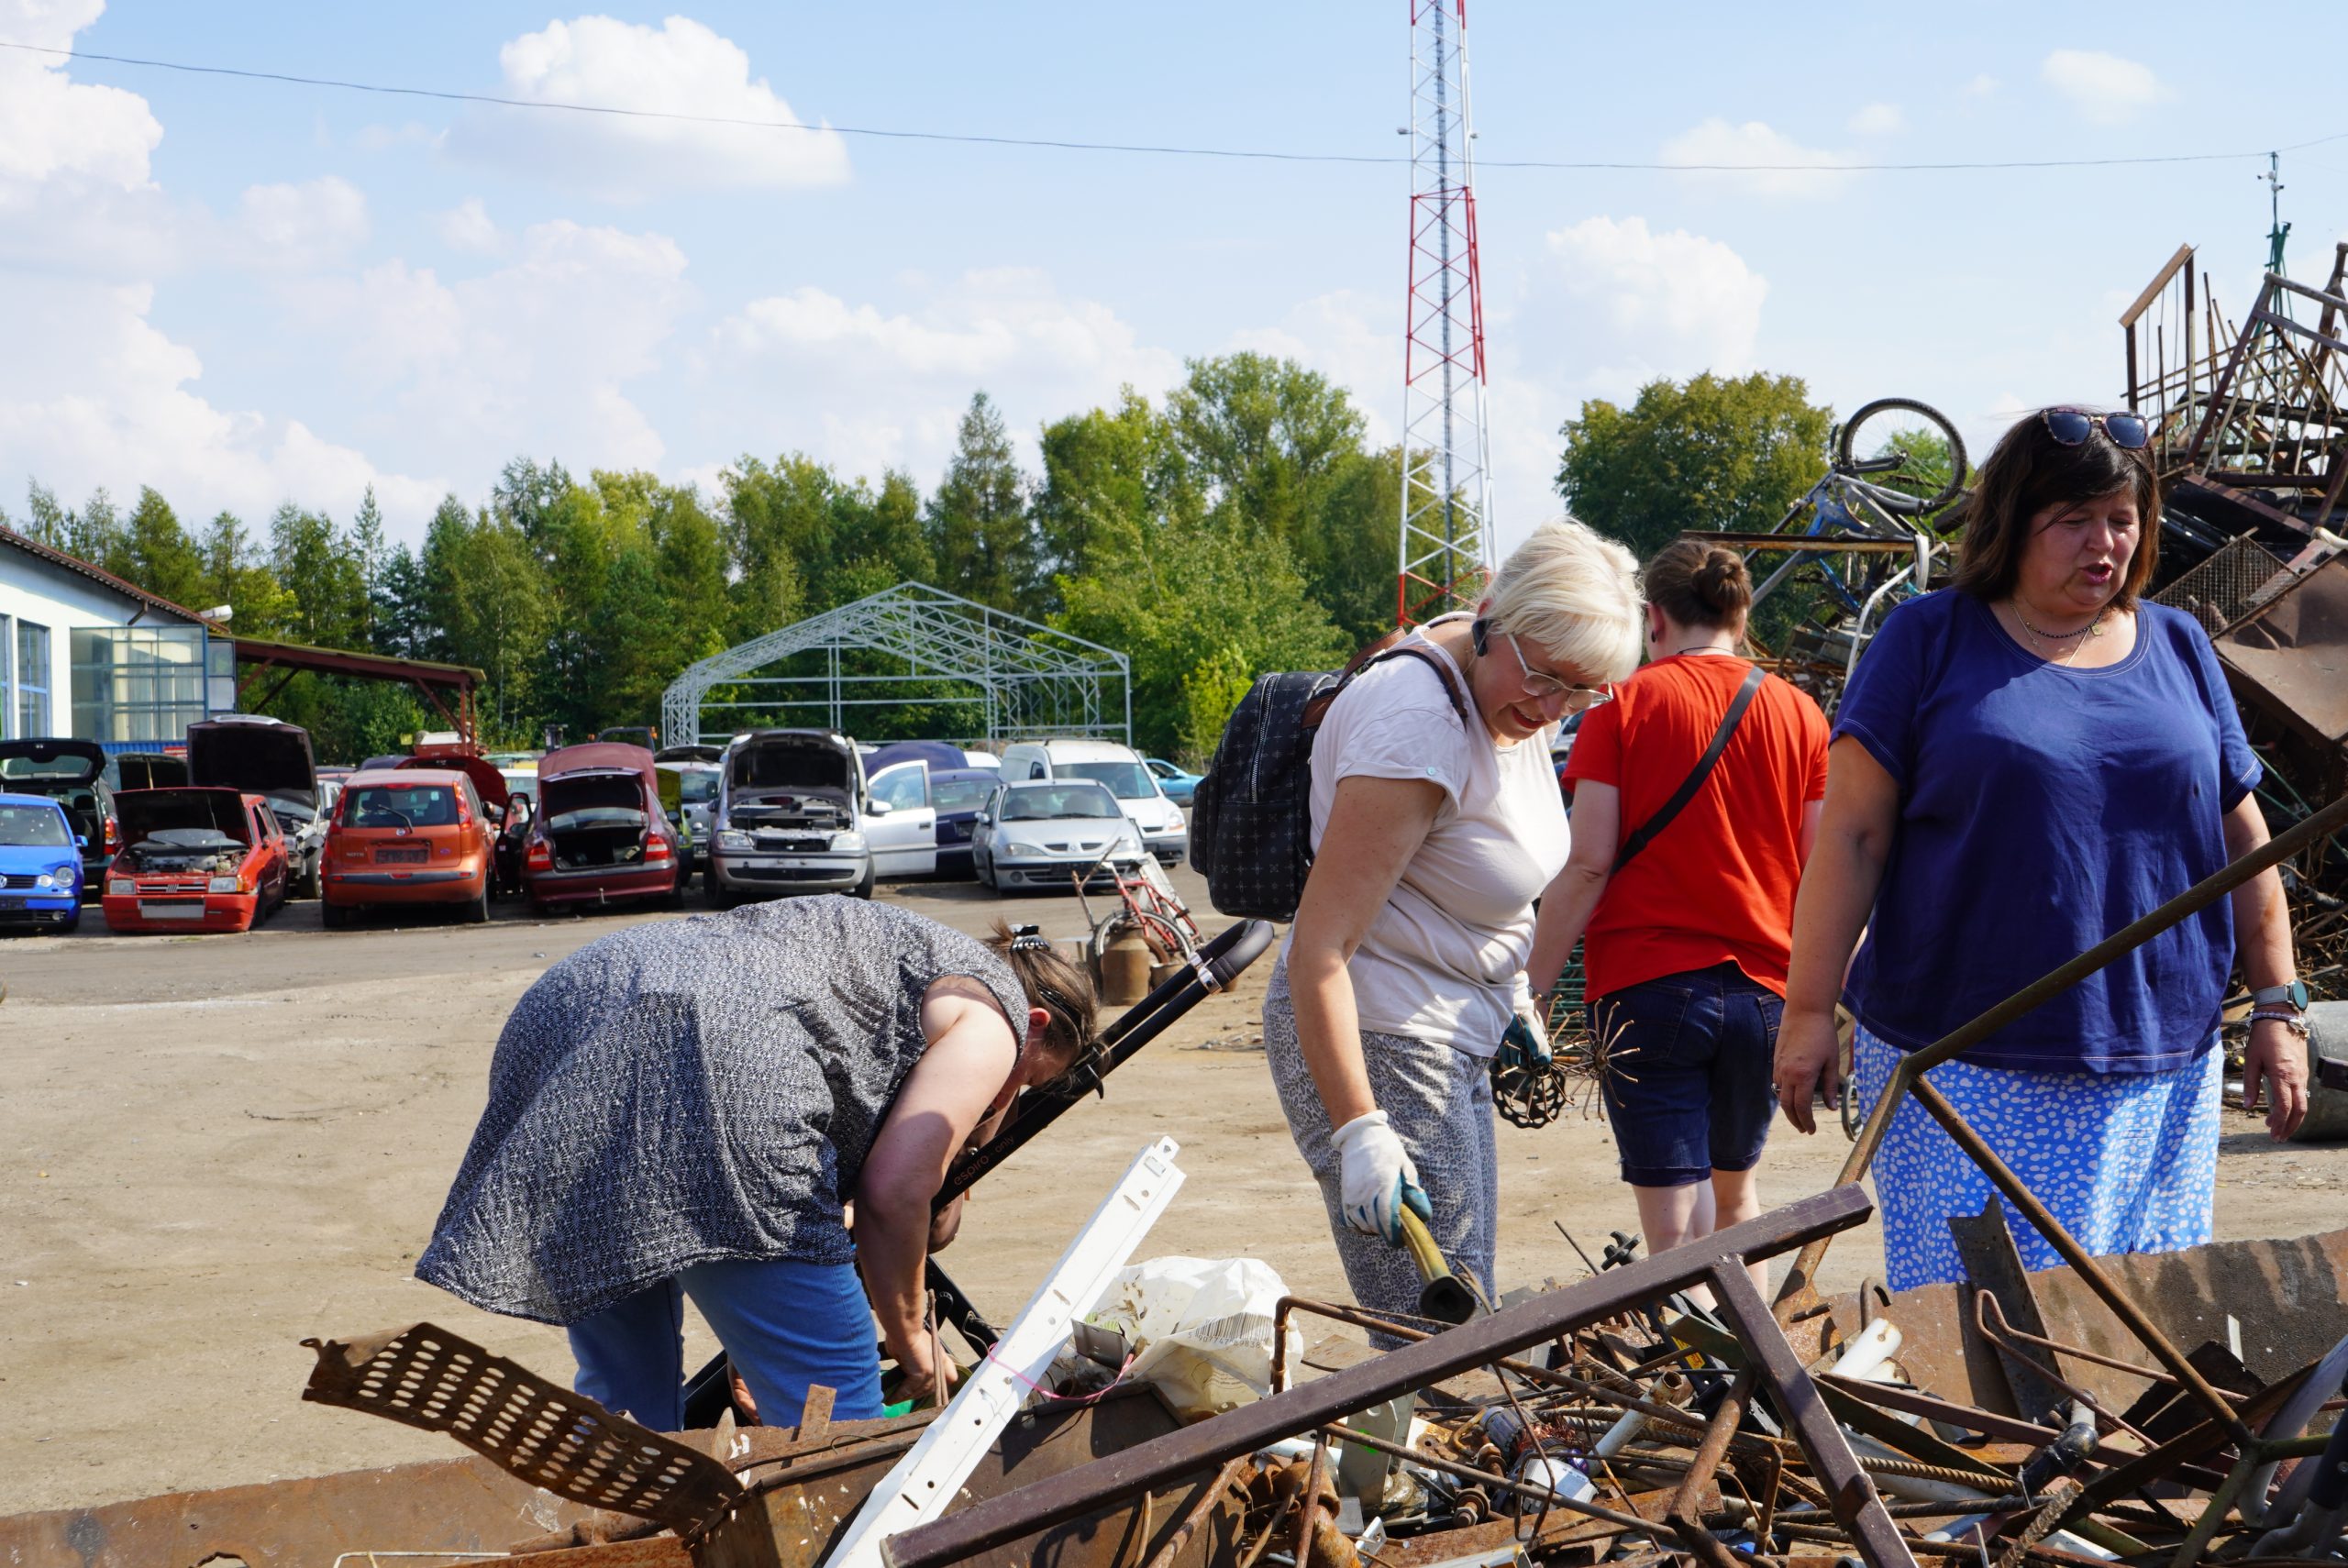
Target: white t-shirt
x,y
1445,959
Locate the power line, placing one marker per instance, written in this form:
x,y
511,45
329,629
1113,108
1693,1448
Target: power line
x,y
1061,144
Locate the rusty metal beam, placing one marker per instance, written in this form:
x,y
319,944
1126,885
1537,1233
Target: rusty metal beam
x,y
1244,1430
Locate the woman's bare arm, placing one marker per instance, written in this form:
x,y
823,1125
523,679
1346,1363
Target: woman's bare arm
x,y
1572,896
2275,1058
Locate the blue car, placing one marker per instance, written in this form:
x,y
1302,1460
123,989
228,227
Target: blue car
x,y
40,864
958,793
1176,785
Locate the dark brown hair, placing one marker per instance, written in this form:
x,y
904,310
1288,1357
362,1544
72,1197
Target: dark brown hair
x,y
1057,986
2031,471
1699,584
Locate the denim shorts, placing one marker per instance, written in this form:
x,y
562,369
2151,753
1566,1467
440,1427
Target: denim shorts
x,y
1688,1085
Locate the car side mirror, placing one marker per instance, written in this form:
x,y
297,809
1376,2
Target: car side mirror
x,y
81,841
879,808
984,818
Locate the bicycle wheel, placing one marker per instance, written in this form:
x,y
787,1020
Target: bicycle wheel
x,y
1914,459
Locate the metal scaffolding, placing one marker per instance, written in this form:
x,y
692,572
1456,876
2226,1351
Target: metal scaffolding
x,y
1027,678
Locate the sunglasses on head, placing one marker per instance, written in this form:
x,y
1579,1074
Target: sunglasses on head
x,y
2069,427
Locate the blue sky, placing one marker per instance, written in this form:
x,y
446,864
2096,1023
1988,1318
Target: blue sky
x,y
244,292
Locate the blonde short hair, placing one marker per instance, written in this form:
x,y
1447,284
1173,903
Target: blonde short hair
x,y
1576,593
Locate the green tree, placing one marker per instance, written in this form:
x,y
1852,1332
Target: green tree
x,y
1265,438
1730,453
368,544
320,569
1192,595
234,574
160,557
1209,692
1110,476
976,523
46,521
95,534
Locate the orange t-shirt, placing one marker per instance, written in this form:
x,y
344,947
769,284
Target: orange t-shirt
x,y
1717,884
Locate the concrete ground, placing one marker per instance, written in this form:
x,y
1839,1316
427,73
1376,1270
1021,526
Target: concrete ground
x,y
217,1145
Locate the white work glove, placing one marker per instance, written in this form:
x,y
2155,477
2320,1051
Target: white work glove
x,y
1376,1178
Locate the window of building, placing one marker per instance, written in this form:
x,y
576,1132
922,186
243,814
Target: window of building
x,y
32,679
8,703
138,683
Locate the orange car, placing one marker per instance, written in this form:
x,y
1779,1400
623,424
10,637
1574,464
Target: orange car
x,y
195,859
409,835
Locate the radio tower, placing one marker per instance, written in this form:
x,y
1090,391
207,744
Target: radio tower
x,y
1446,484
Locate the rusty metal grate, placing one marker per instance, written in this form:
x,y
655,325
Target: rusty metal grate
x,y
425,1376
2227,586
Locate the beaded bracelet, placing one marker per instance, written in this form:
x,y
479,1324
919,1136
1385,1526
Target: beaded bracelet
x,y
2296,1023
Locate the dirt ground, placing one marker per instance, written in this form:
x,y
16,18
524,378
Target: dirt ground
x,y
216,1146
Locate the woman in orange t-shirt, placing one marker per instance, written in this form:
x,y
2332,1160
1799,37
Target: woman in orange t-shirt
x,y
1684,946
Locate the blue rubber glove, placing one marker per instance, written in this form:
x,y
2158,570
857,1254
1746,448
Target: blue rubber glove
x,y
1376,1178
1523,1046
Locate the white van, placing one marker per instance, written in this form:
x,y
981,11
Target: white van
x,y
1163,829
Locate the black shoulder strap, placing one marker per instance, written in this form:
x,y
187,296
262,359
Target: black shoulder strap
x,y
1697,775
1434,661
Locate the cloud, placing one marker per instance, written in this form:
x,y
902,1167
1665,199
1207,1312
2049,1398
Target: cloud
x,y
1664,303
1878,120
680,68
1981,87
1791,169
314,224
871,387
52,126
2104,88
382,139
467,226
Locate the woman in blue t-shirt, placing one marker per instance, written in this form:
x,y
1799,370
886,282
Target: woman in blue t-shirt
x,y
2023,763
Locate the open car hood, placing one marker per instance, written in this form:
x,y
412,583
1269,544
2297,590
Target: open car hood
x,y
796,762
47,762
146,812
487,782
249,752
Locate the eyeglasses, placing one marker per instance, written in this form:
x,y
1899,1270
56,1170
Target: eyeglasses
x,y
2069,427
1541,684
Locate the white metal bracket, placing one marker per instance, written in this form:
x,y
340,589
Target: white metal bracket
x,y
931,1475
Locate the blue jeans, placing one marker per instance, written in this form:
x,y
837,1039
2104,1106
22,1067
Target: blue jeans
x,y
785,1325
1689,1087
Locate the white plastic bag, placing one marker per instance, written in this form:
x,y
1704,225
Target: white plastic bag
x,y
1199,1329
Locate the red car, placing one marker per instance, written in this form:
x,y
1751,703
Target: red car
x,y
195,859
409,835
601,836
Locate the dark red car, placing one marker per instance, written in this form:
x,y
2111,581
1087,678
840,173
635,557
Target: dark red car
x,y
600,835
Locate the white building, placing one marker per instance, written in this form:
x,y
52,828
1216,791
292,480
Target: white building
x,y
84,654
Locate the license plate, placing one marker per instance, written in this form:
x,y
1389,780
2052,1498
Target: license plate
x,y
192,910
416,856
11,901
799,862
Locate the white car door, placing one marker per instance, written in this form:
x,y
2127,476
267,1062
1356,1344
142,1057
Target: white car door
x,y
904,839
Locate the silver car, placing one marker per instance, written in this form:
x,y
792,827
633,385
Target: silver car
x,y
1042,833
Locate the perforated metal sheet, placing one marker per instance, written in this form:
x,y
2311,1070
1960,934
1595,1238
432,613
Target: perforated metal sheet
x,y
425,1376
2227,586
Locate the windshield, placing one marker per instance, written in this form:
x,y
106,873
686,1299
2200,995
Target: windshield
x,y
949,795
401,805
1058,801
39,826
1126,780
699,787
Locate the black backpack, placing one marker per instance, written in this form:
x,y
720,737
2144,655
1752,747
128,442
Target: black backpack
x,y
1251,817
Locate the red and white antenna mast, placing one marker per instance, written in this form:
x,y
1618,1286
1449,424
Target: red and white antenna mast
x,y
1446,479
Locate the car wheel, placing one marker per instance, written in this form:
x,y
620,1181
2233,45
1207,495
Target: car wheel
x,y
719,896
979,872
310,885
334,917
476,911
863,889
676,897
72,924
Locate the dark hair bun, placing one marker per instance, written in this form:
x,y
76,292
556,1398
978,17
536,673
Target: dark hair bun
x,y
1721,581
1699,583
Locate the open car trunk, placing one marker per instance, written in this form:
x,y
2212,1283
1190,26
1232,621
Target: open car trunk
x,y
184,830
65,770
259,755
595,820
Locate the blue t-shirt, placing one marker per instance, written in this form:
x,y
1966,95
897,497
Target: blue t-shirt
x,y
2042,807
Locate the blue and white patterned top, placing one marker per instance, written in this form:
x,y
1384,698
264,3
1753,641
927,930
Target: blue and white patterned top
x,y
2042,808
688,1091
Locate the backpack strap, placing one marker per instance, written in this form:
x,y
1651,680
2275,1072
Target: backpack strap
x,y
1697,775
1378,652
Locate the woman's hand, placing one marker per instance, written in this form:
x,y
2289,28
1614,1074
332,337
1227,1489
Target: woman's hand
x,y
920,1369
2277,1058
1809,1062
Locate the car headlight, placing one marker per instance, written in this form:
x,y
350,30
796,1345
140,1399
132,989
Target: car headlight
x,y
46,879
226,885
121,888
850,843
63,876
734,839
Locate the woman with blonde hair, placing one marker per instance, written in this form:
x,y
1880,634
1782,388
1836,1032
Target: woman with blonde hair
x,y
1436,822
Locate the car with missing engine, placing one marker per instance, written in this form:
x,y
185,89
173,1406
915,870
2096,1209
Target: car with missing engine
x,y
1045,833
195,859
789,818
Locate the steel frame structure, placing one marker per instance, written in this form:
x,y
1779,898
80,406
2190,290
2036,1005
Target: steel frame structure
x,y
1029,679
1447,465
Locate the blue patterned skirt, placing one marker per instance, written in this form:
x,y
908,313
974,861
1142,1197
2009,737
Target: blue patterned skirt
x,y
2127,1162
